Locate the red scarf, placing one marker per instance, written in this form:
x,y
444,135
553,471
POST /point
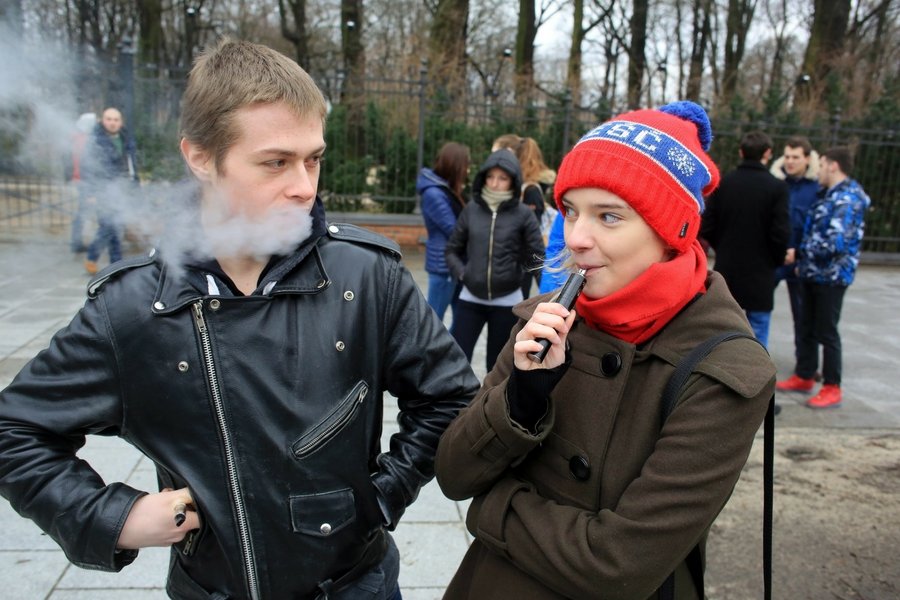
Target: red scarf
x,y
639,310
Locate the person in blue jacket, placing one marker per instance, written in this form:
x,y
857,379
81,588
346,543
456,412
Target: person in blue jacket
x,y
442,200
798,167
826,266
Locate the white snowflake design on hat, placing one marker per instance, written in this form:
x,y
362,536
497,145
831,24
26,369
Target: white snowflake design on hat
x,y
681,160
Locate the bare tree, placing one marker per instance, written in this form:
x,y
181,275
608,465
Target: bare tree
x,y
702,28
738,20
637,61
294,11
826,38
447,44
580,30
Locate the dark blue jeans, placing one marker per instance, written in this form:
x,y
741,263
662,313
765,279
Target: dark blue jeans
x,y
378,584
469,319
108,237
819,326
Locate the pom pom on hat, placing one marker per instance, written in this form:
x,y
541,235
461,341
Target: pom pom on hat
x,y
653,159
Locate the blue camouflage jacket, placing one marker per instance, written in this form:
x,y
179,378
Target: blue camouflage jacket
x,y
832,235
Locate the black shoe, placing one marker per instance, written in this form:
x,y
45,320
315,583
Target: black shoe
x,y
777,410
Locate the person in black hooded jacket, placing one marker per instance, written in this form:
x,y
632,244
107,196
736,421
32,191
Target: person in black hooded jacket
x,y
496,239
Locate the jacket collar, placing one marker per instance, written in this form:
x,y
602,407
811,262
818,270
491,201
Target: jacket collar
x,y
301,272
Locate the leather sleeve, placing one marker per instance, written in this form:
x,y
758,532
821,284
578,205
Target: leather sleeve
x,y
432,380
67,391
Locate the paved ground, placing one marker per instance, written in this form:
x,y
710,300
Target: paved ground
x,y
42,285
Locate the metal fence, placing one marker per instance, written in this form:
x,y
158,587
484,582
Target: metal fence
x,y
380,135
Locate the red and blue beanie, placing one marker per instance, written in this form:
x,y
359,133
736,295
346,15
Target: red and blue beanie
x,y
655,160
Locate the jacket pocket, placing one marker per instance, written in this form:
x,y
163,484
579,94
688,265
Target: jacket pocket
x,y
181,585
188,544
333,423
322,515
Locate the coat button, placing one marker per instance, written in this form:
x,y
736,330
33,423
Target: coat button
x,y
159,306
340,346
215,304
333,228
579,467
611,364
183,366
348,296
324,528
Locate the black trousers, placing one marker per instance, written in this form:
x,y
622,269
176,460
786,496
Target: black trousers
x,y
794,292
469,319
819,326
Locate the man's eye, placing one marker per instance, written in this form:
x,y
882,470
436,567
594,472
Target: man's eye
x,y
314,161
276,164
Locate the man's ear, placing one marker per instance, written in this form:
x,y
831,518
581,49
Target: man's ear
x,y
198,160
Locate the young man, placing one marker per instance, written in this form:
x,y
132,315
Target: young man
x,y
798,167
249,367
746,222
826,266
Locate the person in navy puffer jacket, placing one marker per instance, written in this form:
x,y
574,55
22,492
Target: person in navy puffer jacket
x,y
441,191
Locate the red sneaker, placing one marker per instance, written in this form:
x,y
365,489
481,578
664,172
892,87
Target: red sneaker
x,y
828,397
795,384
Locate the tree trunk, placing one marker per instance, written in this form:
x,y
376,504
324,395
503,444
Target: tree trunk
x,y
826,42
447,45
637,61
740,14
573,68
524,84
296,10
702,30
152,38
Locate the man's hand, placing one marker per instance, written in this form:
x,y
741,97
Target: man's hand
x,y
790,257
152,521
549,321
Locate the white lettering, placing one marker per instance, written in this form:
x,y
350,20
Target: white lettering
x,y
620,130
641,140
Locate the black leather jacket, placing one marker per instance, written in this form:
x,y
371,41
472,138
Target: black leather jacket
x,y
268,407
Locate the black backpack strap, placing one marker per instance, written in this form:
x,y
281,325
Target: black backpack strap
x,y
669,398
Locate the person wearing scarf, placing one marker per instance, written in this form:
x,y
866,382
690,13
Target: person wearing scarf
x,y
579,490
496,240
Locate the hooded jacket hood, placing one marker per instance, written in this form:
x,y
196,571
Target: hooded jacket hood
x,y
505,160
812,170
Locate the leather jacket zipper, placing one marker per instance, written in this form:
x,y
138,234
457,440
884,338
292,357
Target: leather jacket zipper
x,y
333,423
491,254
234,485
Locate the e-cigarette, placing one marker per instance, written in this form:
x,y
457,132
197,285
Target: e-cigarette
x,y
567,296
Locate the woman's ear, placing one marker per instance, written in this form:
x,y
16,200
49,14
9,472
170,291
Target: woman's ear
x,y
198,160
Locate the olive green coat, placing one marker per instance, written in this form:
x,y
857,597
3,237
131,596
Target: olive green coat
x,y
644,498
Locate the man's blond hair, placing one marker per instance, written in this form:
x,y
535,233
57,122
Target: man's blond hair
x,y
235,74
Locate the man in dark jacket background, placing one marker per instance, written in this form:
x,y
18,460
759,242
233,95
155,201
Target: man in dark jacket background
x,y
247,358
746,222
109,172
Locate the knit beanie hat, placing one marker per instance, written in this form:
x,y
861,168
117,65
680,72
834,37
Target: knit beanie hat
x,y
653,159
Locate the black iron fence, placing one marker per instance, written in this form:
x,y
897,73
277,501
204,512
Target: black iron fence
x,y
381,134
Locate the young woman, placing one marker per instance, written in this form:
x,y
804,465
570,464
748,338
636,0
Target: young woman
x,y
579,489
441,189
495,240
537,178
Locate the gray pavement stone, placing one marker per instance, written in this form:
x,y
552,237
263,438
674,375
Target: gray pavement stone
x,y
30,574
